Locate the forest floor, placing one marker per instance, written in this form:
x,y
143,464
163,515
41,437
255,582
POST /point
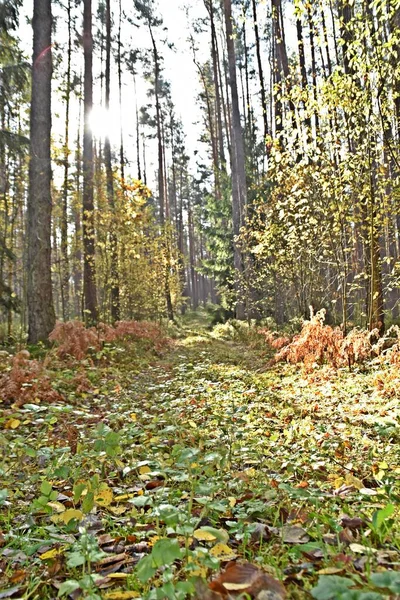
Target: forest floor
x,y
171,468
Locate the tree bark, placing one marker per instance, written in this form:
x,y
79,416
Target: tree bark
x,y
41,314
115,302
260,70
239,188
89,267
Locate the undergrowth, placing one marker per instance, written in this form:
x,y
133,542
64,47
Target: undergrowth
x,y
160,470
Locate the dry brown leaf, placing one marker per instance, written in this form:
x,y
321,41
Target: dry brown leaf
x,y
293,534
246,578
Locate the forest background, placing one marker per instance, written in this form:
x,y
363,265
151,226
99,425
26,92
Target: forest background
x,y
287,199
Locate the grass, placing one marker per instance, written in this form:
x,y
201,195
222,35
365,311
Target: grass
x,y
173,465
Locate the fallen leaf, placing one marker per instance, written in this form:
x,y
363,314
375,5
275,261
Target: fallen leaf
x,y
10,592
293,534
204,536
117,510
12,424
247,579
359,549
330,571
223,552
104,497
67,516
352,522
18,576
120,595
53,553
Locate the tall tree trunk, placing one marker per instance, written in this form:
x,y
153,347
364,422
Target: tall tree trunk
x,y
161,190
218,104
41,314
192,258
303,70
119,60
64,207
311,27
239,188
115,303
89,267
260,70
139,168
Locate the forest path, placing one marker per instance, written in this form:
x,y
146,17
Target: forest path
x,y
209,454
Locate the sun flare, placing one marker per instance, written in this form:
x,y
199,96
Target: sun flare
x,y
105,123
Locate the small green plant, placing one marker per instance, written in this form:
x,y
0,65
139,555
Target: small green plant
x,y
47,494
83,553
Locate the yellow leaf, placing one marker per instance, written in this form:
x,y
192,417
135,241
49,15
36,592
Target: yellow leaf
x,y
117,510
153,540
56,506
104,497
52,553
145,469
232,502
133,417
196,569
118,575
223,552
192,424
383,465
330,571
12,424
123,497
354,481
338,482
251,472
120,595
71,513
204,536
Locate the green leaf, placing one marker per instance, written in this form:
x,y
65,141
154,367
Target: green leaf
x,y
387,579
165,552
78,490
46,488
3,496
330,587
358,595
88,503
76,559
145,569
68,587
380,516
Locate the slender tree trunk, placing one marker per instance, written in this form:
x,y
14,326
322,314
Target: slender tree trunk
x,y
313,65
218,105
115,302
161,190
121,146
89,267
260,70
41,314
192,259
64,208
139,167
239,188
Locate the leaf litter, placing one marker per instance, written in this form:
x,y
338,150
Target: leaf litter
x,y
205,475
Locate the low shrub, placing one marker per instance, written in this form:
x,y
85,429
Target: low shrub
x,y
318,343
27,381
